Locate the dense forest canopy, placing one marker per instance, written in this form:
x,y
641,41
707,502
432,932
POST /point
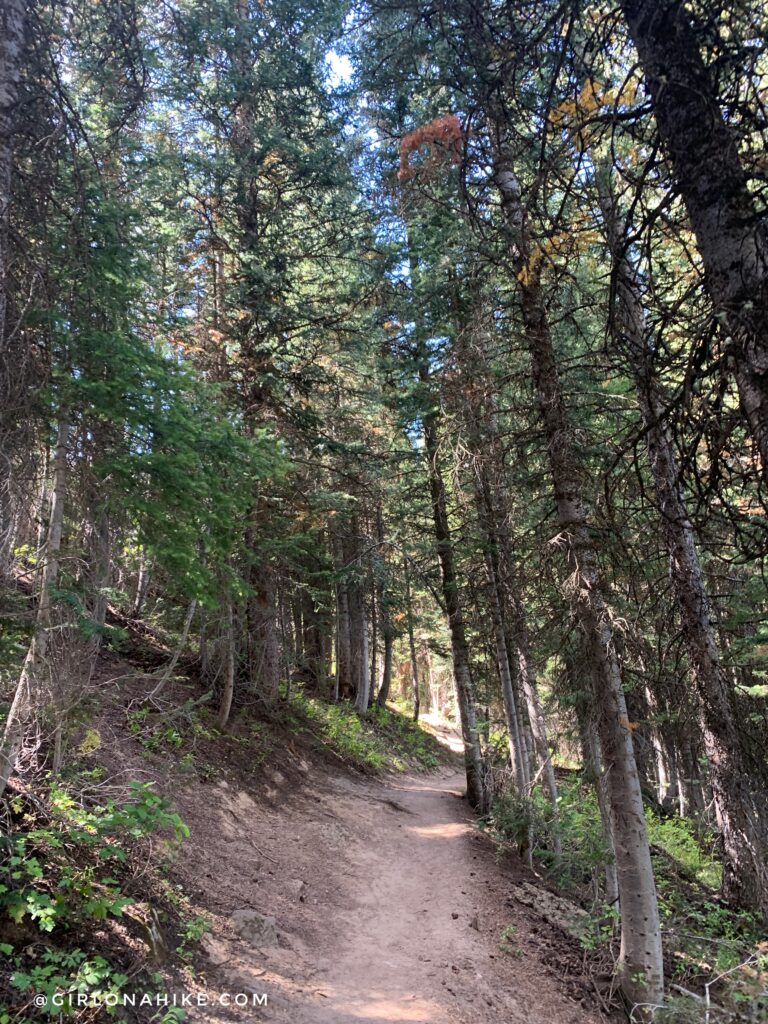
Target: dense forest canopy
x,y
404,350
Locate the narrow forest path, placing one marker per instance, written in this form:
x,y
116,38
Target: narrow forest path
x,y
389,908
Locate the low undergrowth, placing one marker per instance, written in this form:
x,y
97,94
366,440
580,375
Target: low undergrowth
x,y
81,904
384,740
716,957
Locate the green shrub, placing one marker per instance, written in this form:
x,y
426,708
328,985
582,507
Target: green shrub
x,y
516,820
61,867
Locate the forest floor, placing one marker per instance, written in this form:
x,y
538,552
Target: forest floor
x,y
388,906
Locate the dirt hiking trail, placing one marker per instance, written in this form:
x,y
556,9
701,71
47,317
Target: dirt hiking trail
x,y
388,907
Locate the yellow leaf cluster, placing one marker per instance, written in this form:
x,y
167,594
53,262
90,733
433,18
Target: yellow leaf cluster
x,y
564,243
572,115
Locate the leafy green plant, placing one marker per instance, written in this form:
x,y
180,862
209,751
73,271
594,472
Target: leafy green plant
x,y
194,929
58,869
69,980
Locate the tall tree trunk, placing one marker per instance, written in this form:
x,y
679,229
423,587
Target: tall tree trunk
x,y
593,763
412,644
741,810
374,660
29,690
314,625
387,631
640,958
503,570
703,150
462,675
263,640
228,690
344,671
508,611
363,670
12,28
142,583
517,751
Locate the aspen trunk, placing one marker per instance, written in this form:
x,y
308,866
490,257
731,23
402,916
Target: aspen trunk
x,y
593,761
373,675
345,682
315,626
703,151
640,958
511,637
29,690
741,810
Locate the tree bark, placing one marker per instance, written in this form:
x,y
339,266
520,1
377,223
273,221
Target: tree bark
x,y
12,28
412,644
363,669
517,752
228,691
345,683
29,690
741,810
142,584
387,632
703,151
263,641
462,675
640,958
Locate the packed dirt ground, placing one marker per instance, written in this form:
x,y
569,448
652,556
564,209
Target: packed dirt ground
x,y
382,904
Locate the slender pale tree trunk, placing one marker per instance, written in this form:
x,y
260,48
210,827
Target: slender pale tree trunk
x,y
345,685
387,631
28,697
703,150
363,673
640,958
741,810
142,583
179,650
228,690
434,687
412,643
374,659
503,570
593,761
511,637
517,752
